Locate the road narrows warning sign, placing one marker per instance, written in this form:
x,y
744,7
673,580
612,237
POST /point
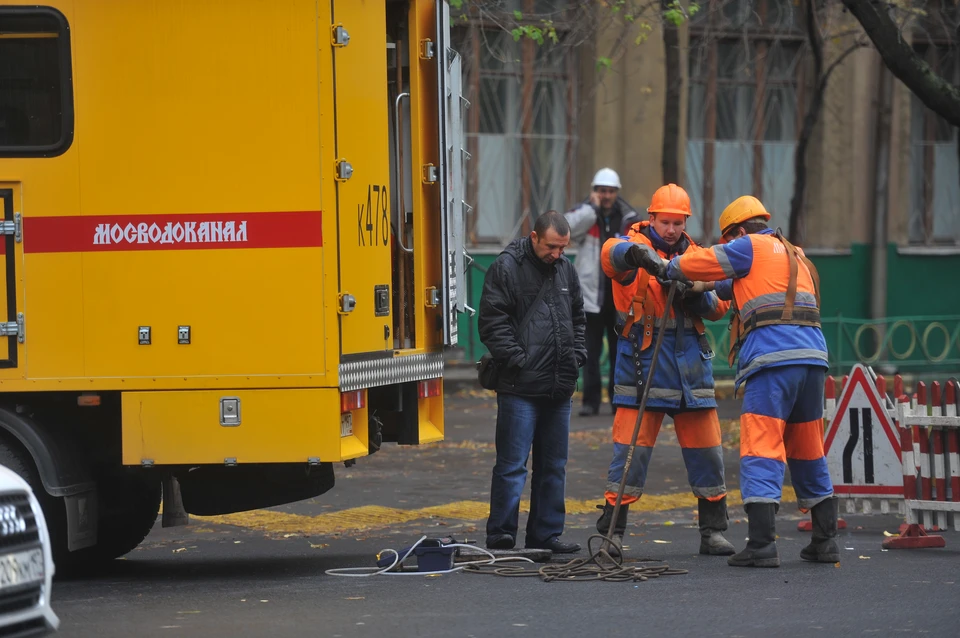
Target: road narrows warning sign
x,y
861,443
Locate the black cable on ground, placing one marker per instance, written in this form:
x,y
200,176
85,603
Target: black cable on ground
x,y
600,565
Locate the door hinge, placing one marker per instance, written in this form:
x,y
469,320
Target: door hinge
x,y
14,228
346,303
340,37
427,49
13,328
344,170
430,174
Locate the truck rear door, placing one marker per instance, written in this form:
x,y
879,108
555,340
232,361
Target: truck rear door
x,y
359,36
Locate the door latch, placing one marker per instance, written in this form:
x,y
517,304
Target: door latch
x,y
381,300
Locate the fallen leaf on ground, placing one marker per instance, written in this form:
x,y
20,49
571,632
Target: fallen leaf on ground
x,y
864,558
663,542
179,549
319,545
355,598
886,533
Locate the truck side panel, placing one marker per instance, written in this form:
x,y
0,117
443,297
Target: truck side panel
x,y
275,426
198,149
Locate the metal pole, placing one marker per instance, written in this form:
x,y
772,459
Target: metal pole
x,y
643,404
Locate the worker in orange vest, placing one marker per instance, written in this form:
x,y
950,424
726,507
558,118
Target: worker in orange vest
x,y
783,354
682,384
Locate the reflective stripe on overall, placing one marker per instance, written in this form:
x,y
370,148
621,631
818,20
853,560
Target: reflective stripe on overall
x,y
682,384
783,359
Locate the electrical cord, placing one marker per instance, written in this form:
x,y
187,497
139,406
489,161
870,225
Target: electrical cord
x,y
365,572
600,565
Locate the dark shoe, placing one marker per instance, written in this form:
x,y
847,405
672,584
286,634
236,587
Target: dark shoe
x,y
556,546
501,541
713,521
589,410
761,550
603,526
823,546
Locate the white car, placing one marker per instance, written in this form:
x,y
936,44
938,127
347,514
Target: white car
x,y
26,564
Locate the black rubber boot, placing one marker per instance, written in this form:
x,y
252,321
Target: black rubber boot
x,y
761,549
603,526
713,521
823,546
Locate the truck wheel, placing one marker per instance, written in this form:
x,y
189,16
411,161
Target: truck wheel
x,y
17,459
128,509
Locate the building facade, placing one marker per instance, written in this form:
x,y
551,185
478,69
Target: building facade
x,y
882,207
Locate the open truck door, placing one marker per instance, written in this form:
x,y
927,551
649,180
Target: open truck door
x,y
452,155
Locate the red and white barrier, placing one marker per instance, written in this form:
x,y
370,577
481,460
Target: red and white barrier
x,y
930,452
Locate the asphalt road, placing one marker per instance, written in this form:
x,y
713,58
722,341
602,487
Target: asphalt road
x,y
263,574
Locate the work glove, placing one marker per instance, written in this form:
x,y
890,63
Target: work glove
x,y
683,286
643,256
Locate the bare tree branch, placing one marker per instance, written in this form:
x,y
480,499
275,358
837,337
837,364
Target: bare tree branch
x,y
939,95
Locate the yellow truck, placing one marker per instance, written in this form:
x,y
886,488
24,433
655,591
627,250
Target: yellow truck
x,y
231,251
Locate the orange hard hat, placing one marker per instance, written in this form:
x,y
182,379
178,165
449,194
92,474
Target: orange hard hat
x,y
670,199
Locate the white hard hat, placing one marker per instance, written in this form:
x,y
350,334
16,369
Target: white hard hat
x,y
606,177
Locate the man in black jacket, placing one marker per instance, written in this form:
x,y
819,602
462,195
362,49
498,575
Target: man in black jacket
x,y
539,361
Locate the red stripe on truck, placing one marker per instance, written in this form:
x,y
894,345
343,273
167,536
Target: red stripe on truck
x,y
195,231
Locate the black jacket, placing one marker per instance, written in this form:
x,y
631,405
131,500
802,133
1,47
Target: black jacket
x,y
545,361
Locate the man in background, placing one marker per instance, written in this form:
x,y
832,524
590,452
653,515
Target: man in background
x,y
603,215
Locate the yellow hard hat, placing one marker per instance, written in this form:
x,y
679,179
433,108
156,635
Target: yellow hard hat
x,y
740,210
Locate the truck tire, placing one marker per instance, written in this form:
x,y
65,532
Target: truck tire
x,y
128,507
16,458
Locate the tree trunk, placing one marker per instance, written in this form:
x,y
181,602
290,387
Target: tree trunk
x,y
797,202
936,93
670,159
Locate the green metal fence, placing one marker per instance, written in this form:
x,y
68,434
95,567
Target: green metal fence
x,y
908,344
905,344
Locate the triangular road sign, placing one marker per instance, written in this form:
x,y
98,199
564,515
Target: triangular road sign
x,y
861,444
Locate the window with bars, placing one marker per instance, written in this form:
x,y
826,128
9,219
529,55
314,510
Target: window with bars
x,y
743,113
519,130
934,161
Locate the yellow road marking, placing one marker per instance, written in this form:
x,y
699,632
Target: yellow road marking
x,y
373,517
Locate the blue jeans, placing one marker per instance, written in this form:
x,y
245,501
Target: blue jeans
x,y
543,425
